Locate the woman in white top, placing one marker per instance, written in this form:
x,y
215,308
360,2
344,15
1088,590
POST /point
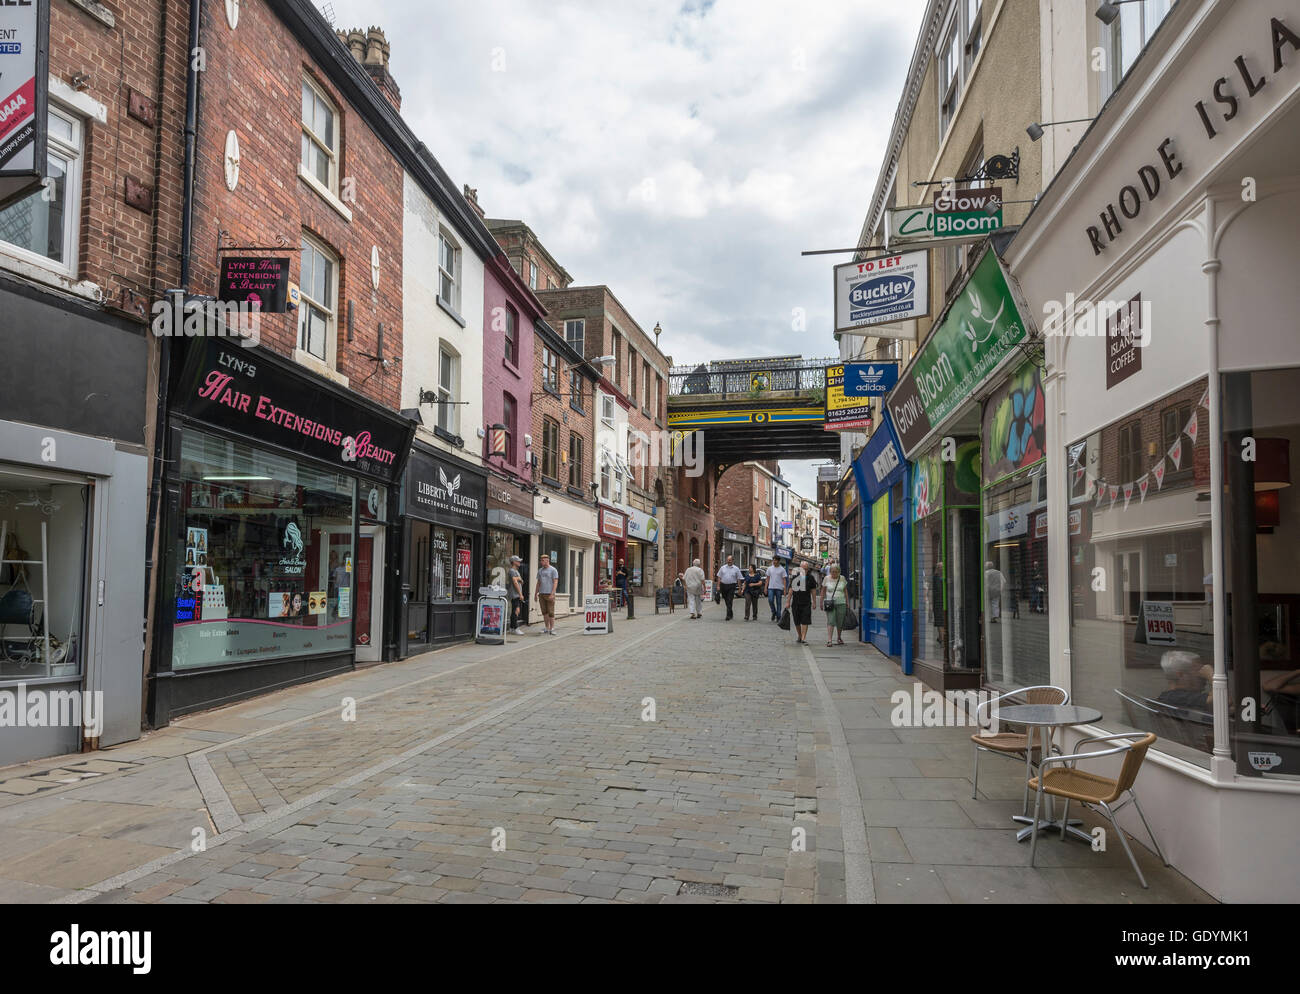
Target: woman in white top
x,y
835,602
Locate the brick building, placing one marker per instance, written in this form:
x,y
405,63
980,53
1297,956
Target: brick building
x,y
80,262
595,323
528,256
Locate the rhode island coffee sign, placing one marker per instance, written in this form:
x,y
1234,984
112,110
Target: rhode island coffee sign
x,y
448,493
267,401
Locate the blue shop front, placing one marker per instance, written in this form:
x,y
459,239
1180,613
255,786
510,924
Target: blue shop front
x,y
881,473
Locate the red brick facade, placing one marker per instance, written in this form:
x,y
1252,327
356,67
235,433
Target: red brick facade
x,y
253,85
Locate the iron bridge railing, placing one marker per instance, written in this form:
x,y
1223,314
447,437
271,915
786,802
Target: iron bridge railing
x,y
747,375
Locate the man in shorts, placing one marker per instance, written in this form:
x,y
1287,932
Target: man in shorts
x,y
548,578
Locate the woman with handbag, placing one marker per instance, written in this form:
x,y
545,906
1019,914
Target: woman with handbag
x,y
799,598
835,603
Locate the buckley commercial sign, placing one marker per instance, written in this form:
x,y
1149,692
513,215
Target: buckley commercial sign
x,y
979,331
875,291
24,81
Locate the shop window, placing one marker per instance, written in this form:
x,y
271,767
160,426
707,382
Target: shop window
x,y
1261,529
316,334
1142,618
550,449
320,136
557,547
42,575
42,228
265,540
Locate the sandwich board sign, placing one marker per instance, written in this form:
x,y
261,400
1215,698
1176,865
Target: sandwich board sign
x,y
596,619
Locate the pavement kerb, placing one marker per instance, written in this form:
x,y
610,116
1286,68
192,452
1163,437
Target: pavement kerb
x,y
270,818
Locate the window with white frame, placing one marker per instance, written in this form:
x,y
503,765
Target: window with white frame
x,y
43,226
448,271
574,331
550,370
1124,39
949,57
448,389
320,136
973,28
319,290
532,275
607,410
605,473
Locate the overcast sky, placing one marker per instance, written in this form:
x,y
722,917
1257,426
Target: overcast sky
x,y
684,153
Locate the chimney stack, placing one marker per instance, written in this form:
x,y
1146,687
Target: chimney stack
x,y
472,197
371,49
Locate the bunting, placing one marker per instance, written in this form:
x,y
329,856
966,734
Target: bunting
x,y
1143,483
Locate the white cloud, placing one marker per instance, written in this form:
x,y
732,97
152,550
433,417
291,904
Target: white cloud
x,y
760,126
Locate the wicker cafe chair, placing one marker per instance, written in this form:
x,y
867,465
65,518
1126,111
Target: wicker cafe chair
x,y
1014,744
1095,791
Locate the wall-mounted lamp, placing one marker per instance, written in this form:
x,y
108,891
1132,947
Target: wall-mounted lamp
x,y
1107,12
1035,130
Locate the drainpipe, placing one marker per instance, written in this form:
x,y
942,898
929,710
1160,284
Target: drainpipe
x,y
164,343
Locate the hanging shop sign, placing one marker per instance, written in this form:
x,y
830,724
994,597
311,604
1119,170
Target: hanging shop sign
x,y
806,544
976,336
643,527
885,289
612,524
844,413
955,218
1124,342
261,282
24,82
869,379
247,392
881,461
783,552
444,492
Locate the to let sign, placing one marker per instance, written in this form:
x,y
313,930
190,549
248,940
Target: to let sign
x,y
262,282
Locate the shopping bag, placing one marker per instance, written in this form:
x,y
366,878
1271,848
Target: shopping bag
x,y
850,620
784,623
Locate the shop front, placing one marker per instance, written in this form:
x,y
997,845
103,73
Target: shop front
x,y
643,549
612,529
275,521
1173,392
569,538
511,530
879,472
936,416
739,546
443,543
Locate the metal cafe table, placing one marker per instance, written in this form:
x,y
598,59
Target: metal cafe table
x,y
1047,718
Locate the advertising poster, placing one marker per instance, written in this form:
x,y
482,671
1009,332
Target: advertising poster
x,y
880,554
278,603
24,82
464,568
844,413
316,602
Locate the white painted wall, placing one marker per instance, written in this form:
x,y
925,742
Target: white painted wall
x,y
425,322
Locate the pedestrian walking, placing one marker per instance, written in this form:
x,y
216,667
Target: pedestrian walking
x,y
776,578
548,578
694,580
753,587
803,586
516,584
835,603
729,576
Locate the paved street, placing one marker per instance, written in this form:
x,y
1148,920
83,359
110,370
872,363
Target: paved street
x,y
769,773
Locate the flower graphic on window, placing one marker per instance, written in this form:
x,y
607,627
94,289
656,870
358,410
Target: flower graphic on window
x,y
1023,402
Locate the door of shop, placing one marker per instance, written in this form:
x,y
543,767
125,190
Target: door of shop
x,y
577,590
368,589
